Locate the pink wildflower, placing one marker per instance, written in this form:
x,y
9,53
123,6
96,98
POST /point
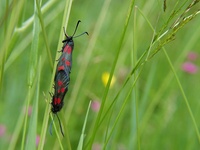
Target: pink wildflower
x,y
189,67
37,140
95,106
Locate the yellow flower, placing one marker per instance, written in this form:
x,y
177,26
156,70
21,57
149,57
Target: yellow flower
x,y
105,76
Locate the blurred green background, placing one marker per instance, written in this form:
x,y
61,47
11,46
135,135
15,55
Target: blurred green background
x,y
155,114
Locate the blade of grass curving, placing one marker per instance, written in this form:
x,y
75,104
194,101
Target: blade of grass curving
x,y
126,81
22,45
185,11
26,117
184,96
175,29
174,12
47,6
109,122
33,68
111,74
169,77
176,26
30,144
122,108
139,63
147,88
15,15
80,145
34,48
134,122
44,34
19,125
134,95
44,126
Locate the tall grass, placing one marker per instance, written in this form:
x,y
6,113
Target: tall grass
x,y
153,104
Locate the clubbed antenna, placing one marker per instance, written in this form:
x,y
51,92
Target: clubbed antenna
x,y
74,31
81,34
76,27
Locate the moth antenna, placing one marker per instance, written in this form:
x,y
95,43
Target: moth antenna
x,y
81,34
61,130
76,27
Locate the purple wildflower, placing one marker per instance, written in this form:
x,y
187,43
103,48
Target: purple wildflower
x,y
95,105
37,140
189,67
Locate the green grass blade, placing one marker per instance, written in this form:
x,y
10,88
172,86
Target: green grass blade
x,y
44,33
44,127
80,145
184,96
15,15
31,139
22,45
19,124
32,74
111,74
122,108
166,82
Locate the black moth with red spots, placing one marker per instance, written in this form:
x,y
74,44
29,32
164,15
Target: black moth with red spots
x,y
62,75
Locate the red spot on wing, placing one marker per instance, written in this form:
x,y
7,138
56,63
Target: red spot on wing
x,y
63,59
57,101
62,90
68,63
61,68
67,49
60,83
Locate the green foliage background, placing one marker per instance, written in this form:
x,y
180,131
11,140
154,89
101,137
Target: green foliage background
x,y
153,103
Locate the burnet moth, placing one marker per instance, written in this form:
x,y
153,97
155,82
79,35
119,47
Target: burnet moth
x,y
62,75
